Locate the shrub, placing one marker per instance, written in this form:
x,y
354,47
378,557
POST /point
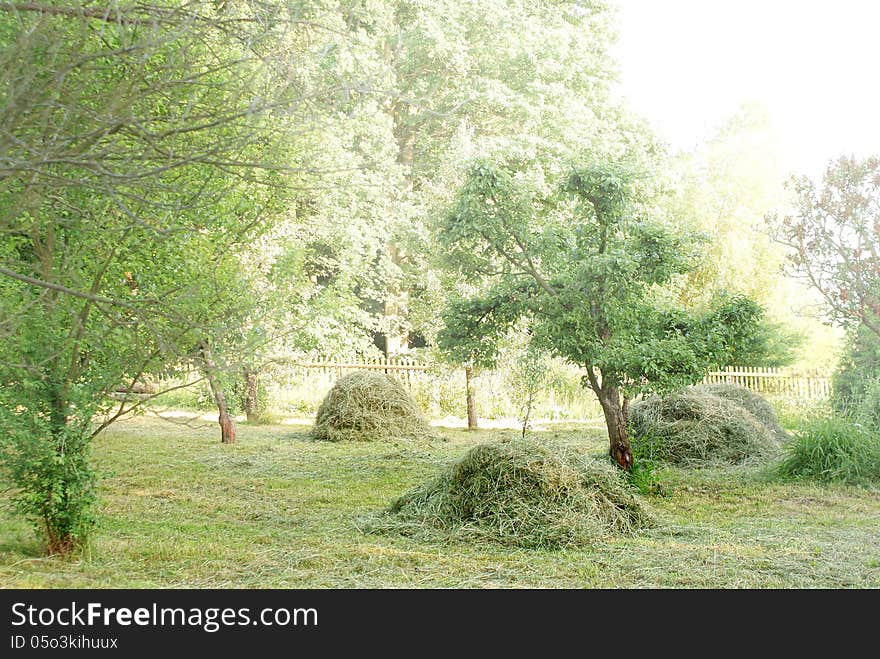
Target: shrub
x,y
857,371
867,410
46,464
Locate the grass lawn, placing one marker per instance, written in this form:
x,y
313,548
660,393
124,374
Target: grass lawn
x,y
179,510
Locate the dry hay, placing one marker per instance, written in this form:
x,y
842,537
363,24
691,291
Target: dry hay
x,y
520,493
696,428
369,406
753,402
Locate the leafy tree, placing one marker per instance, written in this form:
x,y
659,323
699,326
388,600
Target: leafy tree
x,y
724,188
140,148
585,263
833,234
457,77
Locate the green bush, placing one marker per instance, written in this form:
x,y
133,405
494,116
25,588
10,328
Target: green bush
x,y
643,475
45,462
867,409
194,398
833,449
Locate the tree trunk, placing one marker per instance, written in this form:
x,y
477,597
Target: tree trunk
x,y
251,396
471,409
615,420
227,426
396,340
59,539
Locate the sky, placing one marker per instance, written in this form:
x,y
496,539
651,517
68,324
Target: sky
x,y
687,65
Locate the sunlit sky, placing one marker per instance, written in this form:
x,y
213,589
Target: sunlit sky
x,y
686,65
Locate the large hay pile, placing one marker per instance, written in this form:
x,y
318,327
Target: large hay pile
x,y
695,428
754,403
520,493
369,406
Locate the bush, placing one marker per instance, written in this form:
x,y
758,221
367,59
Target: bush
x,y
696,428
47,464
369,406
523,494
833,450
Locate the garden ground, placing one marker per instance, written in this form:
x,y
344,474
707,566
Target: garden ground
x,y
279,510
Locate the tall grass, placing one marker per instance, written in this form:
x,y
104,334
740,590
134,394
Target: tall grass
x,y
833,449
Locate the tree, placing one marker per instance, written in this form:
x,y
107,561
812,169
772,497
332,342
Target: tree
x,y
464,75
582,260
140,148
833,234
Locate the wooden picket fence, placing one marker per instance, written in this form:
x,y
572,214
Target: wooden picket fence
x,y
323,371
783,382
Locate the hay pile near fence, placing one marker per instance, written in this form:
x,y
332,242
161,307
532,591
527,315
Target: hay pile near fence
x,y
753,402
369,406
520,493
696,427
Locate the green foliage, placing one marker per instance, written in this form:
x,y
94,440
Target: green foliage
x,y
143,156
857,373
473,328
868,409
528,378
770,344
46,463
643,475
833,449
593,300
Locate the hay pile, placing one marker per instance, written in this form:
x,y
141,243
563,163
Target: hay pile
x,y
754,403
369,406
695,427
522,494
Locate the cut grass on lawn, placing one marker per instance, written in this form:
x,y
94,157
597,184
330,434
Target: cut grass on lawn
x,y
279,510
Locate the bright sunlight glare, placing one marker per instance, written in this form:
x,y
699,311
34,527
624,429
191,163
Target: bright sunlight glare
x,y
686,65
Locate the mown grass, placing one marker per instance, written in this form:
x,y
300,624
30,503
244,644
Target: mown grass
x,y
180,510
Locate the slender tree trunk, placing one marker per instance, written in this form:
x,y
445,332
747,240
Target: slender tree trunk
x,y
471,408
251,395
615,419
227,426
